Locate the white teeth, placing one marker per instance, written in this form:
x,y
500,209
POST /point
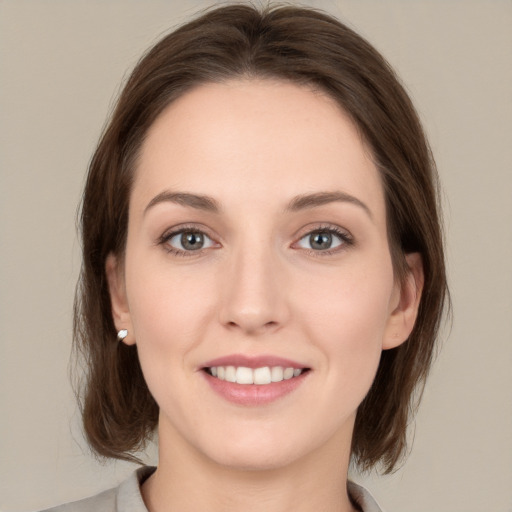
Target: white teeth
x,y
262,375
259,376
276,373
288,373
230,375
244,375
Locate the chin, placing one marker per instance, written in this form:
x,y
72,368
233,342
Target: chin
x,y
254,459
264,451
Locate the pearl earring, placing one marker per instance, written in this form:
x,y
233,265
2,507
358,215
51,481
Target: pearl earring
x,y
121,335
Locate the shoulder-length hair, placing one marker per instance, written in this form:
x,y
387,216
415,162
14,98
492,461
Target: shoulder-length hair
x,y
302,46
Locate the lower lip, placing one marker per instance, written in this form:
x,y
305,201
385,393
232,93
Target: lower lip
x,y
254,394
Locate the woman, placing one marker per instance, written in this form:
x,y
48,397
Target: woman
x,y
260,228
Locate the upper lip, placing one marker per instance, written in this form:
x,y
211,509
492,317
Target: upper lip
x,y
253,361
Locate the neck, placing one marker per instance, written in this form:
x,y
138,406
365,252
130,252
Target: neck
x,y
188,481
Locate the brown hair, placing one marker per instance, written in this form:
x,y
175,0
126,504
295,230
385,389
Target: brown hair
x,y
306,47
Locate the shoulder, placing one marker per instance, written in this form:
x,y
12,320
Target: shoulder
x,y
103,502
362,498
126,497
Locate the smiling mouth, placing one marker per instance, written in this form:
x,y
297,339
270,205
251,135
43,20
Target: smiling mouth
x,y
259,376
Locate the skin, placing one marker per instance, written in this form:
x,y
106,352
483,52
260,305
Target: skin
x,y
258,287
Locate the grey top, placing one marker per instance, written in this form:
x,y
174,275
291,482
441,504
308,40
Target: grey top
x,y
128,498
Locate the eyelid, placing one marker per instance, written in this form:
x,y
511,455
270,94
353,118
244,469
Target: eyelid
x,y
323,226
343,234
208,241
183,228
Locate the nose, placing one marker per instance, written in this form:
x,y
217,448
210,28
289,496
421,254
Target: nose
x,y
253,292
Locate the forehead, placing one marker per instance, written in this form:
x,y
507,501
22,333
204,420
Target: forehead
x,y
226,139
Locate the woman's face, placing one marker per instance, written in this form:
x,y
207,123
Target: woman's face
x,y
257,242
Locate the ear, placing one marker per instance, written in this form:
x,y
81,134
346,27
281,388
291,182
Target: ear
x,y
406,302
118,300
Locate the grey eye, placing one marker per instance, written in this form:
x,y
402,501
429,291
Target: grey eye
x,y
190,241
320,240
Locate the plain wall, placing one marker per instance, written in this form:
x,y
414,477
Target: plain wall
x,y
61,64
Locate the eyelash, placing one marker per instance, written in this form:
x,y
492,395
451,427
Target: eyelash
x,y
164,239
345,238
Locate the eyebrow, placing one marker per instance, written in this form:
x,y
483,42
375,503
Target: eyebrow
x,y
196,201
307,201
302,202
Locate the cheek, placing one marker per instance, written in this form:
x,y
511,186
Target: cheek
x,y
346,318
169,307
166,317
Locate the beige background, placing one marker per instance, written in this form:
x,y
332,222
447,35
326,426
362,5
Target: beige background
x,y
61,66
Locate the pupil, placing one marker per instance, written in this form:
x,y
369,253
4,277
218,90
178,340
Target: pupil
x,y
321,240
192,241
